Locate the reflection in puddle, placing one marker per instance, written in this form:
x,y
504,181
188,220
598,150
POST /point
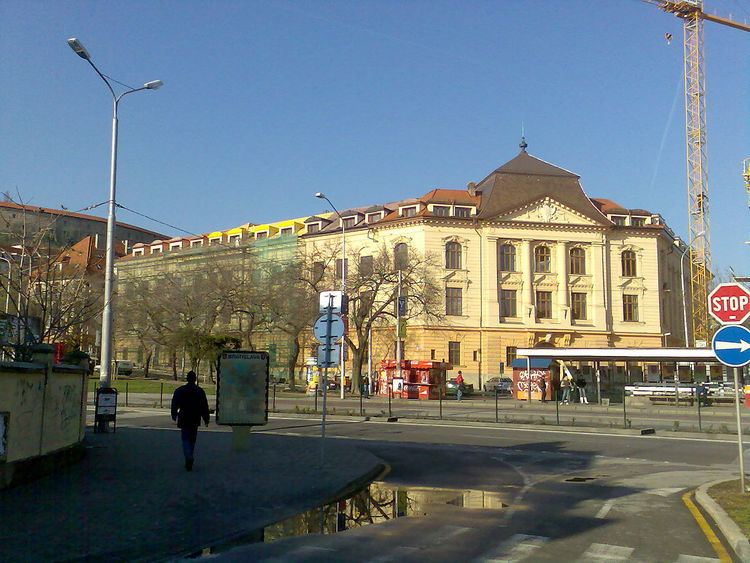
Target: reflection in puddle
x,y
375,504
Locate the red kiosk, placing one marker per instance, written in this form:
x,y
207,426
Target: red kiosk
x,y
420,379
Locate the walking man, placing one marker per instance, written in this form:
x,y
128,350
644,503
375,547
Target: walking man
x,y
459,385
189,405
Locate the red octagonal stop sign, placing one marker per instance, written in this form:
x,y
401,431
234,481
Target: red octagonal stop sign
x,y
729,303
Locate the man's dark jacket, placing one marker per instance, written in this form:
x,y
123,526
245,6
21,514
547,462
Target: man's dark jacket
x,y
189,405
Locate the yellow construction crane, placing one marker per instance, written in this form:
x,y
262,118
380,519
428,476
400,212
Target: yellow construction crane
x,y
692,15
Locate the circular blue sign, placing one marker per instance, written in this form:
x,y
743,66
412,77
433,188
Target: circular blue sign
x,y
731,344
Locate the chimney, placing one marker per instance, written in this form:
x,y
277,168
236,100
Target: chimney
x,y
96,241
472,187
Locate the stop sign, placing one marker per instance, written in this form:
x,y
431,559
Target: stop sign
x,y
729,303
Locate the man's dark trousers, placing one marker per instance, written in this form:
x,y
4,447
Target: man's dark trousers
x,y
189,435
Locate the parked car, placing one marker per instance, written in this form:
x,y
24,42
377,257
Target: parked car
x,y
501,385
123,367
451,388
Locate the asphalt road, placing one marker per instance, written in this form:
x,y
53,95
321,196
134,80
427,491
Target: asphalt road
x,y
624,502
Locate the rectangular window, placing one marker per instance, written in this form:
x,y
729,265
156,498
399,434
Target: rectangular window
x,y
578,306
261,235
510,355
138,252
286,231
630,308
432,354
409,212
338,268
638,221
349,222
474,355
507,303
235,240
194,243
313,228
441,210
365,266
454,353
462,211
156,250
618,220
318,270
372,217
453,301
543,304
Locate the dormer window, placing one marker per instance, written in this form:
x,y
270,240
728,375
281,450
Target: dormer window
x,y
156,250
313,228
175,245
194,243
372,217
462,211
637,221
441,210
409,211
234,240
349,222
137,252
618,220
261,235
286,231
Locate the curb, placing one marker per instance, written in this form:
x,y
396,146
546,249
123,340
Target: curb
x,y
734,536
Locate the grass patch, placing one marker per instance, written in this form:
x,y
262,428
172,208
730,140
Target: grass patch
x,y
148,386
736,504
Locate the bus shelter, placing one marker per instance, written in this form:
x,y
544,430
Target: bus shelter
x,y
601,362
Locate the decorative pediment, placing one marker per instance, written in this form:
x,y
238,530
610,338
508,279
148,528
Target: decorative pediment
x,y
546,211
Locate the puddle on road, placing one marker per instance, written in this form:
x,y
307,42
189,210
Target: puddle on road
x,y
377,503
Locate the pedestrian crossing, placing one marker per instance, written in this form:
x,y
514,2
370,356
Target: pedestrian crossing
x,y
527,547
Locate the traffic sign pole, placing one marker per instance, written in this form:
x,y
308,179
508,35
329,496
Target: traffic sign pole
x,y
739,428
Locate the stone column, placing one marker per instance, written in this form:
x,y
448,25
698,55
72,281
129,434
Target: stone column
x,y
597,278
563,304
527,269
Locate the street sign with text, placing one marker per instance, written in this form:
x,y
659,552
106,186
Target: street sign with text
x,y
729,303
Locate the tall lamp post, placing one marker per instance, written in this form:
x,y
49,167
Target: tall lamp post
x,y
682,284
321,195
105,378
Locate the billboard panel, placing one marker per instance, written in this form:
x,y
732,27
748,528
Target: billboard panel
x,y
242,388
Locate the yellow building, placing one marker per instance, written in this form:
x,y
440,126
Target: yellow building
x,y
526,257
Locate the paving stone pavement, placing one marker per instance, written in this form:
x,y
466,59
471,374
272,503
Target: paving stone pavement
x,y
131,498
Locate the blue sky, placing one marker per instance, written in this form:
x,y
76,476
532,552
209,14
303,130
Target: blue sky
x,y
266,103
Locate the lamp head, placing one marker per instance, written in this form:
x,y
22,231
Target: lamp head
x,y
153,85
78,48
320,195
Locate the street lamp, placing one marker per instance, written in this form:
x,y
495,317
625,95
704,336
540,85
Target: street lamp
x,y
321,195
682,284
105,378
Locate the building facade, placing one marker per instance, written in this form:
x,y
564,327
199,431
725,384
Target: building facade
x,y
523,257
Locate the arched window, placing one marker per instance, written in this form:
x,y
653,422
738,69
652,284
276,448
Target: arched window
x,y
628,264
453,255
577,261
400,256
506,258
542,259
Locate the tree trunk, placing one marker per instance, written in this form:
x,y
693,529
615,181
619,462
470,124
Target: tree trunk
x,y
148,363
292,361
174,365
358,356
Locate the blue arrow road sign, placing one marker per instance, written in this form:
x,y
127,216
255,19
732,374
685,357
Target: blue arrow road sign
x,y
731,345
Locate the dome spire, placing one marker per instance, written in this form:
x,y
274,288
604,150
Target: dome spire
x,y
523,144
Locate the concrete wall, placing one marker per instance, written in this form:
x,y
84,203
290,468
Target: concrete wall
x,y
43,410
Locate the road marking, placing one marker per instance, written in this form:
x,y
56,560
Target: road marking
x,y
516,548
395,555
604,510
665,492
695,559
450,532
706,528
607,552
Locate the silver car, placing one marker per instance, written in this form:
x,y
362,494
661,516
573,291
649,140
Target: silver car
x,y
499,384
